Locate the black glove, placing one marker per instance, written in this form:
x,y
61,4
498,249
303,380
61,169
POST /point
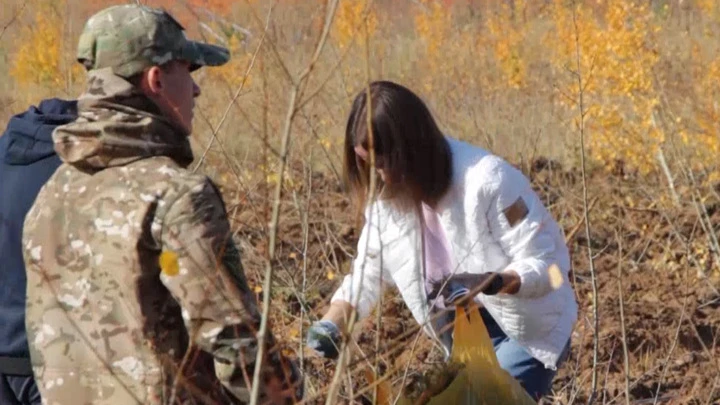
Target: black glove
x,y
492,284
324,338
458,286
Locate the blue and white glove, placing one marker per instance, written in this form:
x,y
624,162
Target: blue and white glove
x,y
324,337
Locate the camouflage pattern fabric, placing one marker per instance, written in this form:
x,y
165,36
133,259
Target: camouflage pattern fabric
x,y
129,38
136,293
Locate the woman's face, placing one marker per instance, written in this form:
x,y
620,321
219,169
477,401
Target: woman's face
x,y
364,155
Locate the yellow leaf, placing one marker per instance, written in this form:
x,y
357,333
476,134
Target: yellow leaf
x,y
257,289
330,275
169,263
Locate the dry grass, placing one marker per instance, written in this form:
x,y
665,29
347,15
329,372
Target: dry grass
x,y
500,77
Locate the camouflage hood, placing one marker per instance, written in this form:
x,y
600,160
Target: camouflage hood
x,y
117,125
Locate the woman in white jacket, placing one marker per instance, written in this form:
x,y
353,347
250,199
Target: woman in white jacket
x,y
451,218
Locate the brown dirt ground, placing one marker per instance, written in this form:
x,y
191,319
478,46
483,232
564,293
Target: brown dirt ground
x,y
669,274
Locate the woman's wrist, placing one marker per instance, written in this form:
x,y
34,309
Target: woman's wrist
x,y
338,313
511,282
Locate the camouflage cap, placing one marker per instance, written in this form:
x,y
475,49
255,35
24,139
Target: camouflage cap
x,y
129,38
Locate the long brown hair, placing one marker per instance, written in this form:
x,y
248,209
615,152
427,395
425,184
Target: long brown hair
x,y
414,152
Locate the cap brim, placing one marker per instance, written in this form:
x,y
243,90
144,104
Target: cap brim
x,y
200,54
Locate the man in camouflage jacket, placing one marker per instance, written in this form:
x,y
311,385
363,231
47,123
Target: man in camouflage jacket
x,y
136,293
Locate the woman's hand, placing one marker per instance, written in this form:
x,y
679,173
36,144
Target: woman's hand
x,y
324,337
470,284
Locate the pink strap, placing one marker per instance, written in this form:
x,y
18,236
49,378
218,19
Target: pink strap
x,y
438,252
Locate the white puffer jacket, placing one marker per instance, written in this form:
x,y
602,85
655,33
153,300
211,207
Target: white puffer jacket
x,y
473,214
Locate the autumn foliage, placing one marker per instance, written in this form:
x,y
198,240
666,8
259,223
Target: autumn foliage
x,y
624,50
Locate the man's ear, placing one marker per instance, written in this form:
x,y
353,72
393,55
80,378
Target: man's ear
x,y
153,82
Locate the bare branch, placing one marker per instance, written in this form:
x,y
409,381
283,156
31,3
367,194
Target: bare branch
x,y
284,150
666,170
13,19
237,93
581,124
323,82
670,352
626,361
351,325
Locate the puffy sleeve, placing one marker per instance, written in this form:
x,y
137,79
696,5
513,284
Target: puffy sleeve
x,y
524,229
377,253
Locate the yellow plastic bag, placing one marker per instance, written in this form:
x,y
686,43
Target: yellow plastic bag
x,y
481,380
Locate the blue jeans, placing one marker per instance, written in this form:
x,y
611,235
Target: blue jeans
x,y
531,373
